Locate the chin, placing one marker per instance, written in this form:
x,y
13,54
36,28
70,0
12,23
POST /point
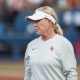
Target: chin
x,y
38,33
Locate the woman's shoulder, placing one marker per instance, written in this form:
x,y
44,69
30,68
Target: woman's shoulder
x,y
65,41
34,42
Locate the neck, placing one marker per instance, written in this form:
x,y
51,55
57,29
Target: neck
x,y
48,35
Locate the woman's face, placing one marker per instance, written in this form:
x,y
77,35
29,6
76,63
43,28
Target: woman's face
x,y
41,26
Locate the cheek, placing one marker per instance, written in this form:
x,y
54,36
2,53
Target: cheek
x,y
45,27
42,28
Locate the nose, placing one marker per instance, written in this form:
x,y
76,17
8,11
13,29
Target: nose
x,y
34,24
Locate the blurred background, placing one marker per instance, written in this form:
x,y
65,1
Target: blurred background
x,y
15,33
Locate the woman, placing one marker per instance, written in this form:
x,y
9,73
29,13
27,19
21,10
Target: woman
x,y
51,56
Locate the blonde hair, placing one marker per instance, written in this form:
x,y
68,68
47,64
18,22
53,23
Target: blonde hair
x,y
52,12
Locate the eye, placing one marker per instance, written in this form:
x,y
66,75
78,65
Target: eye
x,y
36,21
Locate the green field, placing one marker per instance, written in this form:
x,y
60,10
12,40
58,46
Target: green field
x,y
15,70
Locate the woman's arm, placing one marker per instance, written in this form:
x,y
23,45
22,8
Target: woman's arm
x,y
69,62
27,74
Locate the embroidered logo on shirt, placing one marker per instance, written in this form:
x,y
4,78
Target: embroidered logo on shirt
x,y
51,48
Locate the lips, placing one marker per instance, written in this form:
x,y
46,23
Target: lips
x,y
36,29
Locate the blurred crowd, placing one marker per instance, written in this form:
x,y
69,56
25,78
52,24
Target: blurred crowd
x,y
13,12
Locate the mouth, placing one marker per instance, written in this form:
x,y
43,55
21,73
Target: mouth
x,y
35,29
